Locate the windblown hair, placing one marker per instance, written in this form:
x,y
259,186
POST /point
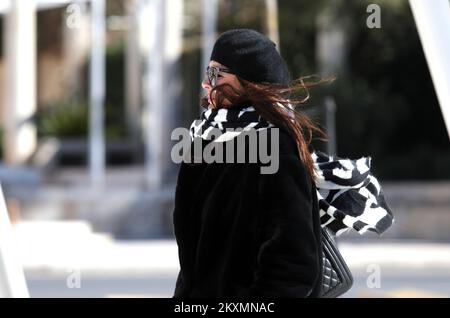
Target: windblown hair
x,y
273,103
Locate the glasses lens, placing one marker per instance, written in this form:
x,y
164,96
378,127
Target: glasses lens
x,y
212,73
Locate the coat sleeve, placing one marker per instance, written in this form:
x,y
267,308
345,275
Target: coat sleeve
x,y
179,287
288,259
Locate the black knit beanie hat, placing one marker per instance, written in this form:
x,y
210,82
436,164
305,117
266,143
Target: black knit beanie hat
x,y
251,55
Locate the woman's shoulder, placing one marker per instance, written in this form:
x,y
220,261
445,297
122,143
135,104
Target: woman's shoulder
x,y
285,161
282,140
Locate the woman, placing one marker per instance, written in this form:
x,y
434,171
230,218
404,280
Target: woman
x,y
242,233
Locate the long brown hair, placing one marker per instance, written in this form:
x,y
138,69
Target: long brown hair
x,y
264,96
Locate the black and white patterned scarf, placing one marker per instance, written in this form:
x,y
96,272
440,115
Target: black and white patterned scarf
x,y
349,196
222,118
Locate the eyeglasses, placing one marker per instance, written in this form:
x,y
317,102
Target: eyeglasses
x,y
212,72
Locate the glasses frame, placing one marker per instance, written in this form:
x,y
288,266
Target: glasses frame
x,y
212,73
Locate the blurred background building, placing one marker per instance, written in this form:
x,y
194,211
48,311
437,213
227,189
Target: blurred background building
x,y
91,91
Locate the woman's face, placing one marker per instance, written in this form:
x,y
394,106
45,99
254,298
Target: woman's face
x,y
223,78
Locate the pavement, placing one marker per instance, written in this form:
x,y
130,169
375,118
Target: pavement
x,y
67,259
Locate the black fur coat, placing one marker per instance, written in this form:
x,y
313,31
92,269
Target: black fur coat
x,y
241,233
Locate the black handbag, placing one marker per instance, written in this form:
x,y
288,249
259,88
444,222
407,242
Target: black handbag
x,y
337,278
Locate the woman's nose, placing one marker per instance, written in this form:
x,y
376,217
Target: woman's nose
x,y
205,83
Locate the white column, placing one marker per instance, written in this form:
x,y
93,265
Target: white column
x,y
132,70
209,26
272,21
12,278
160,38
20,137
433,23
152,27
75,46
331,53
330,123
97,94
331,43
172,81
